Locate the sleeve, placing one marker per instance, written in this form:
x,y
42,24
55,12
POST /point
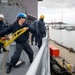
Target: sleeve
x,y
44,30
31,28
6,31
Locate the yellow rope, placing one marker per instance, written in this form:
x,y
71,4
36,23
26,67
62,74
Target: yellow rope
x,y
3,64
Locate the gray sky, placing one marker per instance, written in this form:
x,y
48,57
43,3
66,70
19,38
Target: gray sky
x,y
57,10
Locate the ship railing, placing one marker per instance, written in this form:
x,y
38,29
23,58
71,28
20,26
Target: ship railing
x,y
41,63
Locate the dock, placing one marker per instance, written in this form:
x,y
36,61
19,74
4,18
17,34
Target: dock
x,y
64,54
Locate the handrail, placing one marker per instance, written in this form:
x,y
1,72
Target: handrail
x,y
41,61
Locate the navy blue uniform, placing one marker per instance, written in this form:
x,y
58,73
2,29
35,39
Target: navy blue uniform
x,y
2,26
21,42
41,31
34,35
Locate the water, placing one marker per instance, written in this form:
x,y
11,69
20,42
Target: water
x,y
64,37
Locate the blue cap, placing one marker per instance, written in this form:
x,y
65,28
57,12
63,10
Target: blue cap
x,y
22,15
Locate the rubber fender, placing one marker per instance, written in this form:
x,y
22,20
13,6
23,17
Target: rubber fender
x,y
56,69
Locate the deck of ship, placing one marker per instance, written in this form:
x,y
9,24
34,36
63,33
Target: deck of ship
x,y
21,70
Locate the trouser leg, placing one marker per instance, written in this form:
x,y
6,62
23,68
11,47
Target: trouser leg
x,y
16,55
32,39
36,39
0,47
39,40
28,50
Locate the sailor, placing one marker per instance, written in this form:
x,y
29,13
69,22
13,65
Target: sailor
x,y
21,41
41,30
2,26
34,36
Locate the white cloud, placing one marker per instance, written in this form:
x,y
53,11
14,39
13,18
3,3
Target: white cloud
x,y
58,3
53,9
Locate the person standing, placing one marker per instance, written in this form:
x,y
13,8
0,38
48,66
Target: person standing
x,y
21,41
34,35
41,30
2,27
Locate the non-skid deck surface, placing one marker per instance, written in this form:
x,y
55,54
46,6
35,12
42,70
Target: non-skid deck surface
x,y
23,68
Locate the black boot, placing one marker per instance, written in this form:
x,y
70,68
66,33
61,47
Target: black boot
x,y
31,43
31,60
0,51
4,50
8,69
